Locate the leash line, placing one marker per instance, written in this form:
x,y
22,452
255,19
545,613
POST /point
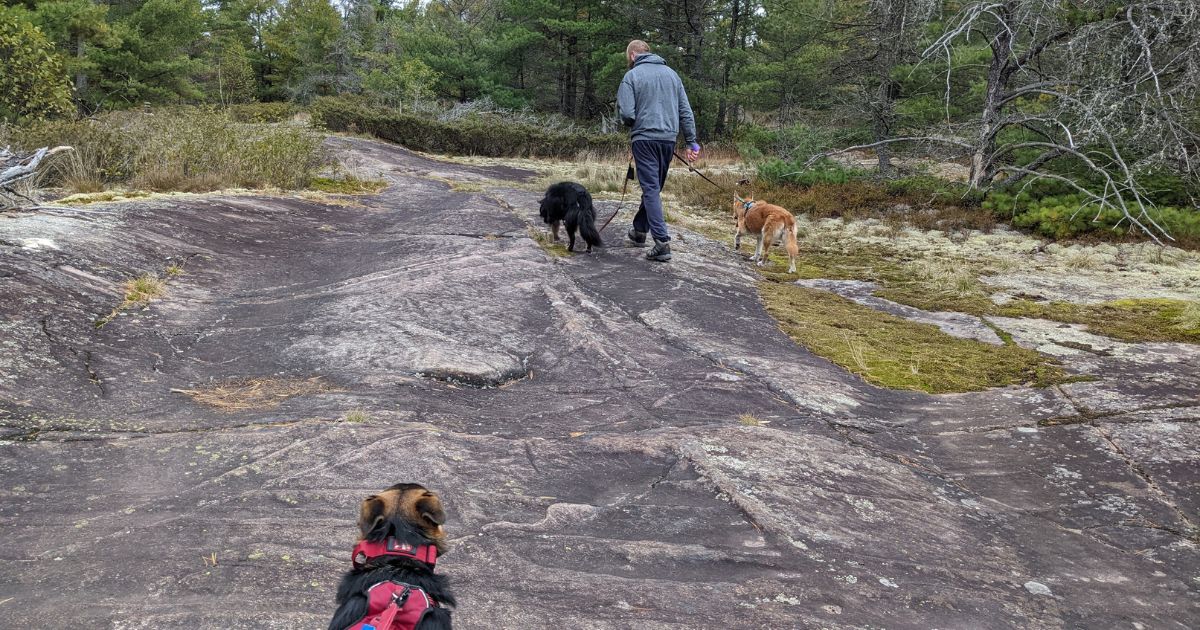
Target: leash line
x,y
629,176
624,190
705,177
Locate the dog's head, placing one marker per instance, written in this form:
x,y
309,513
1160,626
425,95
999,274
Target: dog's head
x,y
741,207
405,511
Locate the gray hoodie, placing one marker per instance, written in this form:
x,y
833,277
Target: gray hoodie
x,y
652,102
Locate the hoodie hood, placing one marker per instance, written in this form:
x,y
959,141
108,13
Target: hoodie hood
x,y
645,58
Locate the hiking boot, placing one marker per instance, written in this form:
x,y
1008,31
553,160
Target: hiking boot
x,y
636,238
661,251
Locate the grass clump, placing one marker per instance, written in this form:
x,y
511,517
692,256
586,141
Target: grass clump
x,y
144,288
1188,317
751,420
139,291
348,185
357,416
552,247
255,393
177,149
893,352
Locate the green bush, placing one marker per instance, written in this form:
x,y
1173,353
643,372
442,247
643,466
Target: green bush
x,y
475,134
33,84
1064,216
798,142
175,149
795,173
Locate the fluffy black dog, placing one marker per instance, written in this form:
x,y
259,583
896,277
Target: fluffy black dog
x,y
571,202
402,536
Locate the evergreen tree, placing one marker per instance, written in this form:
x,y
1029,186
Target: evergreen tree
x,y
303,41
77,27
154,59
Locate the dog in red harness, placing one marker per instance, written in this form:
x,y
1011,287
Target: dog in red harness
x,y
391,585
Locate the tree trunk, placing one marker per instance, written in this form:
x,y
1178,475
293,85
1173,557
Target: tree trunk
x,y
1000,70
882,123
81,80
731,43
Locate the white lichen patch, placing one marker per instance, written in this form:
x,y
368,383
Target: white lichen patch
x,y
1062,473
1012,263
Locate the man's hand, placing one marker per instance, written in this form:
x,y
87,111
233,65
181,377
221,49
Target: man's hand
x,y
693,152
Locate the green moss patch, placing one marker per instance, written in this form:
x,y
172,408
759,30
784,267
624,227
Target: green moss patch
x,y
893,352
347,185
542,238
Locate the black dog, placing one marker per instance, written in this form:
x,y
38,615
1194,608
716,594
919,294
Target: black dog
x,y
571,202
392,584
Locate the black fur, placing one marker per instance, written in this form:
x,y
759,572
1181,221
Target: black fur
x,y
352,591
571,202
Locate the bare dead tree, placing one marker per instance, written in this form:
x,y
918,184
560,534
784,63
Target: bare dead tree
x,y
1106,90
896,24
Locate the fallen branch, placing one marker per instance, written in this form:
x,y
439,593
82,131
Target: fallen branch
x,y
16,168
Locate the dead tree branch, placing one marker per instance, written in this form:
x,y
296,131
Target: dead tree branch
x,y
16,168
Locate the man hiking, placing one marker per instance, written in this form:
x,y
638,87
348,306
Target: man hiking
x,y
653,104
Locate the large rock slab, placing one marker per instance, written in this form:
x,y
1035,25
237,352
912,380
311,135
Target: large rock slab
x,y
620,444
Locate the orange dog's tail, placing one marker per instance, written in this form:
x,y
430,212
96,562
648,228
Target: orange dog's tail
x,y
792,246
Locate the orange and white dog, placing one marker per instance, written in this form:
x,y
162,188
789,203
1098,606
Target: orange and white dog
x,y
770,223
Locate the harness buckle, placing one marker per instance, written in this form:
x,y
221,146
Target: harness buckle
x,y
400,598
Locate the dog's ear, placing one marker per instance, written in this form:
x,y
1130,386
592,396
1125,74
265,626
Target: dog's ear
x,y
371,515
430,509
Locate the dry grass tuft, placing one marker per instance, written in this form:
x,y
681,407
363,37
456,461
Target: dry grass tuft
x,y
945,278
751,420
139,291
251,394
357,416
142,289
1188,319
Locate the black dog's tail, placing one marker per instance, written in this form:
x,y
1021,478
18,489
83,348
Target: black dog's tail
x,y
587,229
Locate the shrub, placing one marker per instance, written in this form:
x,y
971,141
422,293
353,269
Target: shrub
x,y
796,173
33,84
176,149
262,112
1068,215
485,134
798,142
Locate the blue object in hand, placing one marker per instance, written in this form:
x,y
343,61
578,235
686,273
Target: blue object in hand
x,y
695,147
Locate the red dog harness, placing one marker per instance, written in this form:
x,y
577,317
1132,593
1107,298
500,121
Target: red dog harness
x,y
394,605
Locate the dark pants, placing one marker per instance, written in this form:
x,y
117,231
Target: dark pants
x,y
653,159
